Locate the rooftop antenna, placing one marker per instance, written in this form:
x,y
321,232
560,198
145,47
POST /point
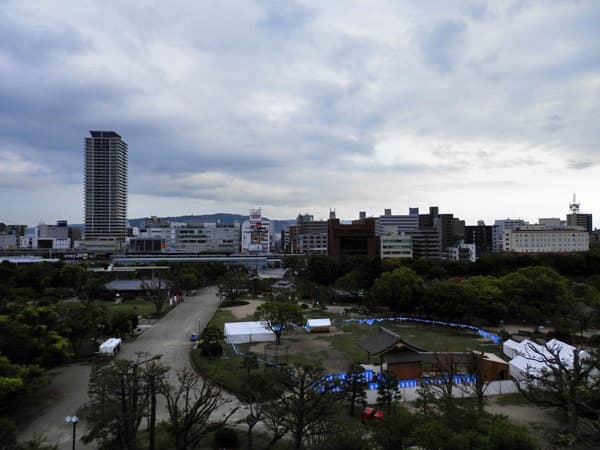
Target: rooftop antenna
x,y
574,207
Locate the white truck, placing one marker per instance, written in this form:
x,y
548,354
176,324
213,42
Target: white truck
x,y
111,346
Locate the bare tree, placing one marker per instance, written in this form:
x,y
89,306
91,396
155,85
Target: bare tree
x,y
304,407
565,380
118,401
479,385
191,406
260,391
155,291
154,374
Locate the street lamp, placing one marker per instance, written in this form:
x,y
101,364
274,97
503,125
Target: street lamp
x,y
73,420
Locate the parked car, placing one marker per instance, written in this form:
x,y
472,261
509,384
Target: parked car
x,y
371,415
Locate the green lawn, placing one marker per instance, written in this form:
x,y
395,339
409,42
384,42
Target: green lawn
x,y
229,373
424,337
137,306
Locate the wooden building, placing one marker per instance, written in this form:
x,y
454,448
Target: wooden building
x,y
408,362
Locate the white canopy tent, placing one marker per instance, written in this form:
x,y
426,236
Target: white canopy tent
x,y
513,348
318,325
244,332
532,358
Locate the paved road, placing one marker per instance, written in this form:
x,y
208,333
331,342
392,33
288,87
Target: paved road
x,y
168,337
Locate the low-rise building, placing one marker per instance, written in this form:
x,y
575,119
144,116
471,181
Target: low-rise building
x,y
546,239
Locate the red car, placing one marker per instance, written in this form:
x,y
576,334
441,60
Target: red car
x,y
371,415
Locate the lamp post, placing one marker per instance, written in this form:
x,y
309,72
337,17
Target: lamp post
x,y
73,420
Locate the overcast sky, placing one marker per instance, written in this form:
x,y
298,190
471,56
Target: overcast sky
x,y
486,109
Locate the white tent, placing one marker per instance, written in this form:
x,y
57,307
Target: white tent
x,y
111,346
532,358
513,348
244,332
318,325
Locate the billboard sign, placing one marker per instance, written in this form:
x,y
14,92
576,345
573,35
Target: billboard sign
x,y
255,215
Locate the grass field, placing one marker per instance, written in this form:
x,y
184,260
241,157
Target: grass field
x,y
137,306
335,351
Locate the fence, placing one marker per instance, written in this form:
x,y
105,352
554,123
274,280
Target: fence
x,y
410,394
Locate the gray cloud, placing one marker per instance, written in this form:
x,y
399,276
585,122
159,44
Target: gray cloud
x,y
442,44
301,103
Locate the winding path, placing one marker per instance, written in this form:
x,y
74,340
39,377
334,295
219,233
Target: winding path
x,y
169,337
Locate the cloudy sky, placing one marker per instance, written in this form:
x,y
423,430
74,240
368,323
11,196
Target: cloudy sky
x,y
486,109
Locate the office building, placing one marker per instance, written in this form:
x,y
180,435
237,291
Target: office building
x,y
356,239
105,191
500,226
580,220
402,222
482,236
395,244
546,238
52,236
312,235
158,236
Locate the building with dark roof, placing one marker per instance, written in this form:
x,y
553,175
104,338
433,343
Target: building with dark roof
x,y
408,362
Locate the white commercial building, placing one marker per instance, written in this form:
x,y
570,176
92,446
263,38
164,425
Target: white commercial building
x,y
256,233
498,232
207,237
546,239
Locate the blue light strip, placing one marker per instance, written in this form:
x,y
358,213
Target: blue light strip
x,y
485,334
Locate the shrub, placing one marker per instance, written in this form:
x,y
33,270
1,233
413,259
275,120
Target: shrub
x,y
226,438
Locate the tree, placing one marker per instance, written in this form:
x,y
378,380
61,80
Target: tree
x,y
154,375
394,432
191,406
536,293
322,269
387,389
279,316
232,284
303,409
119,397
155,292
399,289
250,362
351,283
566,380
72,276
354,387
487,298
260,391
81,321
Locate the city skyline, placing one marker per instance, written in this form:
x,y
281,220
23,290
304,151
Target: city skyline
x,y
486,110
